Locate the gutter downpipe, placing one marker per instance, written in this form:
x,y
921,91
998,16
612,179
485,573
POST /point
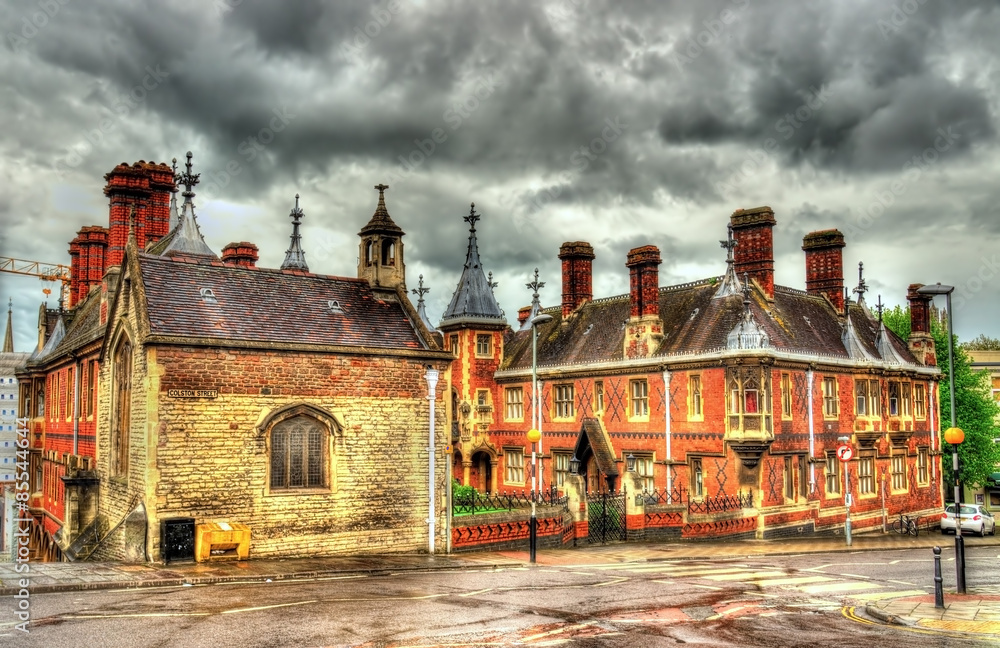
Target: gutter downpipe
x,y
669,458
76,407
812,436
432,378
931,399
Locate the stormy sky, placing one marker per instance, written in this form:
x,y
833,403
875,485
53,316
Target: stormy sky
x,y
618,122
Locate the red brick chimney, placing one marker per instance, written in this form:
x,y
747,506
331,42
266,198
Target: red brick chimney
x,y
644,330
241,254
644,280
921,342
577,274
754,253
147,186
86,268
825,265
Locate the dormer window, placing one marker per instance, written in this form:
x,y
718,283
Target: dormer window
x,y
208,296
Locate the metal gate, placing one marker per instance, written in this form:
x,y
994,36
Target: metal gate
x,y
606,517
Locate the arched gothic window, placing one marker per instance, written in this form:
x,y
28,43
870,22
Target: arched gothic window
x,y
299,453
388,253
122,407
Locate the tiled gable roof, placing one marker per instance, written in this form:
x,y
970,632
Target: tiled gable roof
x,y
269,306
695,322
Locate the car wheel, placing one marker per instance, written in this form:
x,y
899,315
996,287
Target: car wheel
x,y
982,530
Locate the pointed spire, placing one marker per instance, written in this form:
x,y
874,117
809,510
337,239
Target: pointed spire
x,y
856,350
187,238
473,299
8,337
295,258
381,221
730,284
536,305
420,291
174,217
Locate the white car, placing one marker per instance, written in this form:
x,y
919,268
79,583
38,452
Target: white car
x,y
975,519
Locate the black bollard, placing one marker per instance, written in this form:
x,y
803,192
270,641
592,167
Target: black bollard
x,y
960,563
532,536
938,586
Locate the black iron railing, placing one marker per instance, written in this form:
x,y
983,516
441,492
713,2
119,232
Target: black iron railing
x,y
472,503
676,495
722,503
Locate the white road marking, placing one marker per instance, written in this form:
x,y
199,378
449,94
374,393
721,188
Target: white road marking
x,y
838,587
746,576
482,591
856,576
799,580
877,596
903,583
610,582
267,607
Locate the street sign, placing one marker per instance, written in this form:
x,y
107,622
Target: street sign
x,y
845,452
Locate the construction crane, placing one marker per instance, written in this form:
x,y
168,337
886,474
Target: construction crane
x,y
44,271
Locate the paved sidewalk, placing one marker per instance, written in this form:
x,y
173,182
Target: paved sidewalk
x,y
972,612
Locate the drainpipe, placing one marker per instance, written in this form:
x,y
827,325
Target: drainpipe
x,y
432,378
666,417
76,407
812,435
931,399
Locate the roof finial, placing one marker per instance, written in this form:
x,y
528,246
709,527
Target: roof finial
x,y
188,179
746,291
176,177
489,280
472,217
295,258
879,307
729,244
381,209
862,284
535,285
420,291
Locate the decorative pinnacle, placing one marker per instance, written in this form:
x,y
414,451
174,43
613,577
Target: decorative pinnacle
x,y
472,217
862,284
746,291
420,291
381,209
177,178
188,179
729,244
879,307
535,285
296,214
490,282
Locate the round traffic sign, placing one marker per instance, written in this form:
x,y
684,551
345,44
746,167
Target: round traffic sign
x,y
845,452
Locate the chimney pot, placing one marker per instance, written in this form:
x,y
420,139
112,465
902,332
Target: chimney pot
x,y
242,254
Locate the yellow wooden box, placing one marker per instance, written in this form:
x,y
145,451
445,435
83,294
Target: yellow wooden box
x,y
221,541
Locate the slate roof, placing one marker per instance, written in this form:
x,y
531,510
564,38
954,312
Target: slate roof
x,y
593,437
79,327
269,306
694,322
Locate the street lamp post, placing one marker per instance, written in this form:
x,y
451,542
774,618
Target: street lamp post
x,y
534,434
956,436
847,492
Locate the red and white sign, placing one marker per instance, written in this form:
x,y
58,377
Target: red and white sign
x,y
845,452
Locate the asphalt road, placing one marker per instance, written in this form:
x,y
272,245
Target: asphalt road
x,y
812,599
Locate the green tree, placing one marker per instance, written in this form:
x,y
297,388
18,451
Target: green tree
x,y
982,343
975,409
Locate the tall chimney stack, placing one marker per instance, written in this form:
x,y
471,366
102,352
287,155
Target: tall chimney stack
x,y
825,265
754,253
644,330
577,275
921,342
